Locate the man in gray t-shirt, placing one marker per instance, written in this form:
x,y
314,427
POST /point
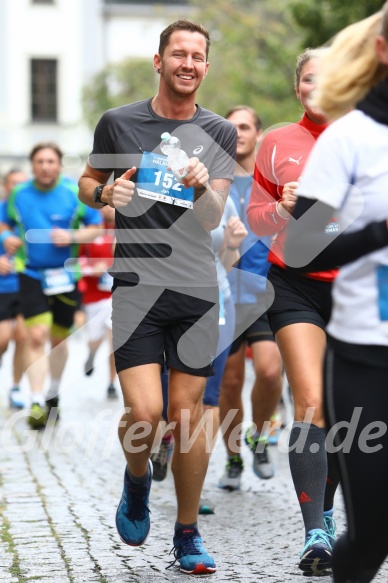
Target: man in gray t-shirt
x,y
165,294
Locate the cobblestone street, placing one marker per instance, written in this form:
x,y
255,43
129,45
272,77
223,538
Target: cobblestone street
x,y
60,489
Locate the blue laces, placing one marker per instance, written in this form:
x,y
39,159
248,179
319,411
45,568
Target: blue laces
x,y
188,544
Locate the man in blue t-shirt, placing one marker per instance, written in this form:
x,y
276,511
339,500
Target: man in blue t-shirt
x,y
248,285
50,222
11,320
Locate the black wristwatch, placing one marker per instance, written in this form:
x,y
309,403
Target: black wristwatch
x,y
97,194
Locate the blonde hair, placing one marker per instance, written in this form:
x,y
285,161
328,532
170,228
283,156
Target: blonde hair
x,y
351,67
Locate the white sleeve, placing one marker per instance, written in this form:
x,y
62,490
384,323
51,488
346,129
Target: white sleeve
x,y
230,209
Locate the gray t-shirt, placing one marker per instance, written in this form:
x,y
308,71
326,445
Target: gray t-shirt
x,y
159,240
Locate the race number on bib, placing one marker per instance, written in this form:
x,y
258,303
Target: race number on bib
x,y
156,182
57,281
382,297
332,228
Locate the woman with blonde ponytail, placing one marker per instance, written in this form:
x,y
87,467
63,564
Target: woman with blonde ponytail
x,y
349,68
346,176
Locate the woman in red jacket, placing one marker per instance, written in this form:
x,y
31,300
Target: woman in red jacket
x,y
298,314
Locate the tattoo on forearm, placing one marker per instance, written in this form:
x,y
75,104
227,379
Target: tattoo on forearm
x,y
199,192
209,206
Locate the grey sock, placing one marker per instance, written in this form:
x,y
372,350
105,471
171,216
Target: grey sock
x,y
308,465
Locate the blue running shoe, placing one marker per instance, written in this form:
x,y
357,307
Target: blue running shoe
x,y
205,506
330,525
16,400
133,515
191,554
315,559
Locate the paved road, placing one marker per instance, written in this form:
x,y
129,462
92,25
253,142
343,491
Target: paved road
x,y
60,488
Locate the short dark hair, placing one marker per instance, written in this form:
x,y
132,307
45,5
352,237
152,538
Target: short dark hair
x,y
182,25
256,119
42,146
14,170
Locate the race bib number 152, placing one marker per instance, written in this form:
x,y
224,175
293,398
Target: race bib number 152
x,y
156,182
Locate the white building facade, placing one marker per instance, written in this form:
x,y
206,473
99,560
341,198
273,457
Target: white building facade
x,y
50,49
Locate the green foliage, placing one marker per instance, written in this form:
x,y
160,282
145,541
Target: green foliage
x,y
322,20
254,44
125,82
252,57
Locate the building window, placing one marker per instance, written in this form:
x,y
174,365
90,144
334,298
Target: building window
x,y
44,89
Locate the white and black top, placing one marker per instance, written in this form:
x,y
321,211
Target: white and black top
x,y
159,240
348,172
218,243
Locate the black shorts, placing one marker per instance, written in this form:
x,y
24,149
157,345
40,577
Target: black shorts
x,y
252,332
9,306
152,324
34,302
297,299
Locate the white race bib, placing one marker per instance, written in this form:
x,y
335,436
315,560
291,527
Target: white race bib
x,y
57,281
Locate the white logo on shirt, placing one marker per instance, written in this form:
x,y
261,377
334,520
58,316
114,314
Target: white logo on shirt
x,y
296,161
198,150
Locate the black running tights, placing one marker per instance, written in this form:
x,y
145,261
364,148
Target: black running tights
x,y
358,393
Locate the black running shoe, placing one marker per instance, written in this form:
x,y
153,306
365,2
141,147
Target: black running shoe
x,y
53,408
88,367
112,392
160,460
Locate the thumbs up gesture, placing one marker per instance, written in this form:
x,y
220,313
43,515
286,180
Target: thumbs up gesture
x,y
120,193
